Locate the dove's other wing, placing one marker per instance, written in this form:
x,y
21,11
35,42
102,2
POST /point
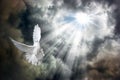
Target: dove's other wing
x,y
36,34
22,47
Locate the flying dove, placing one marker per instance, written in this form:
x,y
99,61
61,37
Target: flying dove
x,y
33,53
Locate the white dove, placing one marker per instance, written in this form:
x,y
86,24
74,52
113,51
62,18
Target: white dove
x,y
33,53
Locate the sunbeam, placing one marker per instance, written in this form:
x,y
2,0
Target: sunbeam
x,y
74,32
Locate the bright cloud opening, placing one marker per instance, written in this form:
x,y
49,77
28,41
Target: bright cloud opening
x,y
75,31
82,18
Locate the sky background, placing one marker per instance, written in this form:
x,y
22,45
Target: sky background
x,y
80,39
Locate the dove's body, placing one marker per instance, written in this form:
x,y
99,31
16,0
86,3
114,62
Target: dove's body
x,y
34,53
32,56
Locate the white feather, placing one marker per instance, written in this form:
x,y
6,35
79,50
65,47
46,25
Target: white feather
x,y
36,34
22,47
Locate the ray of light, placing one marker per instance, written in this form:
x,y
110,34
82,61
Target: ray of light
x,y
74,32
57,32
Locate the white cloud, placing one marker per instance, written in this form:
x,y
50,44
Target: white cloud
x,y
109,49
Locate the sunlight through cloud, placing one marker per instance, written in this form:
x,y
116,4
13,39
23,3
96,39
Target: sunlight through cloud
x,y
74,31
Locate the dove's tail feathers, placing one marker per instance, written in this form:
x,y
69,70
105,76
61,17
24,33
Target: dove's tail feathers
x,y
22,47
36,33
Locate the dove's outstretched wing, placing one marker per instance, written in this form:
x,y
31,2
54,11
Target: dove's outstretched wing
x,y
22,47
36,34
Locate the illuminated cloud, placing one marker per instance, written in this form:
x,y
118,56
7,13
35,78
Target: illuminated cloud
x,y
70,28
80,28
74,29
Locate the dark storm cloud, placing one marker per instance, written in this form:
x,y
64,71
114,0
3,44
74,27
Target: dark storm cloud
x,y
108,55
117,16
72,3
95,46
11,65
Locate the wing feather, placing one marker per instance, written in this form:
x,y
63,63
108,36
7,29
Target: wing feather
x,y
22,47
36,34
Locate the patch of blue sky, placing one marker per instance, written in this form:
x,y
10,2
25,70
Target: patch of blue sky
x,y
73,20
69,19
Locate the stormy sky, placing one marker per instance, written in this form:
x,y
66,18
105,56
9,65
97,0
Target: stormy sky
x,y
80,39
